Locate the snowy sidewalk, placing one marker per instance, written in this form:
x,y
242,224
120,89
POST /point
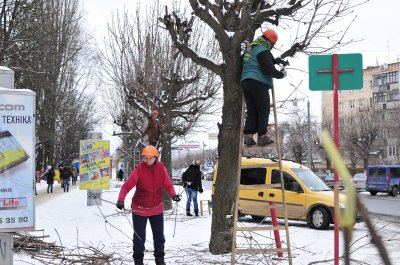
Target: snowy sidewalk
x,y
69,222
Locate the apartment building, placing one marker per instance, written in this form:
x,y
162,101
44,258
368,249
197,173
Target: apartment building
x,y
380,93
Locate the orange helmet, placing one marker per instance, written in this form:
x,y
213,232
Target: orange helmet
x,y
155,112
150,151
271,35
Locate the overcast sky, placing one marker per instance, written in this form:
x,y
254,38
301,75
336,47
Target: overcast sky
x,y
376,26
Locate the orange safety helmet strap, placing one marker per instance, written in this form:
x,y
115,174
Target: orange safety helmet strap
x,y
150,151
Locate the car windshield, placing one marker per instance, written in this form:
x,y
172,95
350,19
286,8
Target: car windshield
x,y
312,181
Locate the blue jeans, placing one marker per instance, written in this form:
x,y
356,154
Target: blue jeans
x,y
191,194
139,233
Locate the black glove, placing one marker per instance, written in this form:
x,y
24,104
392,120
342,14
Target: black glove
x,y
201,190
283,71
120,205
176,198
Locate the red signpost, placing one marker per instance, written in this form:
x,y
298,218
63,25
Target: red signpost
x,y
353,81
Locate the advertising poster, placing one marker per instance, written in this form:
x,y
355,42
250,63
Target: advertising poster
x,y
17,159
94,165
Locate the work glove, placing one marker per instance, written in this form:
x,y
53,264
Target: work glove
x,y
283,71
201,190
176,198
120,205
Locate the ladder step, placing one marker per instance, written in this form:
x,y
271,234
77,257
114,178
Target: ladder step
x,y
268,146
260,186
261,228
272,164
260,251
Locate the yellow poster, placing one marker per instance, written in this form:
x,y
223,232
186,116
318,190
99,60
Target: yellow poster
x,y
94,165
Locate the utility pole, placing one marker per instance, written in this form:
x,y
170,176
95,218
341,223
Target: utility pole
x,y
309,146
203,155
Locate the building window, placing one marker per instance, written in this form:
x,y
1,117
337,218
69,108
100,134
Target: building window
x,y
393,95
351,104
392,77
392,152
362,104
382,133
341,105
379,97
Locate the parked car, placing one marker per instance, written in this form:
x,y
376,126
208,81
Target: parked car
x,y
360,180
176,177
383,179
321,175
329,180
209,176
308,198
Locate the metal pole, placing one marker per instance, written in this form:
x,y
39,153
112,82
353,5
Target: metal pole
x,y
336,140
203,156
309,147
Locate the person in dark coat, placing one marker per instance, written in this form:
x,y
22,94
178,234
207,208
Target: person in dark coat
x,y
50,179
191,179
120,174
153,129
66,177
256,80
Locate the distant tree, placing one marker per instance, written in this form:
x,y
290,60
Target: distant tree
x,y
360,133
46,46
232,23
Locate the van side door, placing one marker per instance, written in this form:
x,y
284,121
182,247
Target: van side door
x,y
252,191
394,181
295,200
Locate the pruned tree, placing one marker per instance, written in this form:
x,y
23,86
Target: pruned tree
x,y
232,23
147,72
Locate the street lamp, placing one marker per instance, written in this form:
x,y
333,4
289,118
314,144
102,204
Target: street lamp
x,y
309,147
204,145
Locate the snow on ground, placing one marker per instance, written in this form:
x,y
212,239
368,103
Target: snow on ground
x,y
69,222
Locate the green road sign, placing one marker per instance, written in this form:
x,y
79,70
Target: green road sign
x,y
349,70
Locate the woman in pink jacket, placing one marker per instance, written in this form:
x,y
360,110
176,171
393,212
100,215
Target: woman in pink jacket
x,y
149,177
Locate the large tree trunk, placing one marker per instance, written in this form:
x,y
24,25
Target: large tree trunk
x,y
229,139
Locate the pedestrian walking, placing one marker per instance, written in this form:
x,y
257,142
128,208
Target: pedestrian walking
x,y
50,179
149,178
66,177
191,180
74,171
256,80
120,174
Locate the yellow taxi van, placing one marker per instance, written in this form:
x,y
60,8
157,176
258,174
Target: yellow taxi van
x,y
308,198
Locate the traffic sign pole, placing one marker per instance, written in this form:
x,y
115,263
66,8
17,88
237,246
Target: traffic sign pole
x,y
336,140
351,65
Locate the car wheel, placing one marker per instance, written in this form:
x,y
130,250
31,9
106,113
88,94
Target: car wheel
x,y
320,218
373,193
395,191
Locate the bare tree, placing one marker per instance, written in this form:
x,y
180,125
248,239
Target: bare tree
x,y
147,72
360,132
44,43
232,23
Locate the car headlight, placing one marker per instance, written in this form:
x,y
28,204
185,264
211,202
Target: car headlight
x,y
341,205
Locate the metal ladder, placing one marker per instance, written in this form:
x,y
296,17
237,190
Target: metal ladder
x,y
257,249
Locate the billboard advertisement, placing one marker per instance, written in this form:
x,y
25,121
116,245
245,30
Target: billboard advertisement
x,y
94,165
17,159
